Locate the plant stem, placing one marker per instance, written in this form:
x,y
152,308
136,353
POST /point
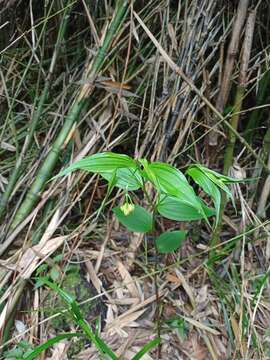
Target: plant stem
x,y
228,158
36,115
263,95
229,64
49,163
158,305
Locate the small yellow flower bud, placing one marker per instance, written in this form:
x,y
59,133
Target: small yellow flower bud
x,y
127,208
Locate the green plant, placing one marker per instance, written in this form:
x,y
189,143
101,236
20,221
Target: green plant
x,y
92,335
79,104
174,198
23,348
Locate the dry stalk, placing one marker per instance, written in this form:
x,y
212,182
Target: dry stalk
x,y
240,93
229,65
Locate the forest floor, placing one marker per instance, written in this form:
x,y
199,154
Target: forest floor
x,y
181,82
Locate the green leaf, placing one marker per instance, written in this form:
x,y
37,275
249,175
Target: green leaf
x,y
76,313
146,348
225,179
40,281
216,178
39,349
139,220
16,353
170,241
106,349
219,180
128,179
41,268
164,177
169,180
68,299
208,186
111,184
175,209
54,273
101,162
167,173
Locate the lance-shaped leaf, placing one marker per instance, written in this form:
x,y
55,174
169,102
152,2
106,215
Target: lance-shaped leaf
x,y
34,354
225,179
174,209
77,315
207,185
128,179
216,178
146,348
169,180
101,163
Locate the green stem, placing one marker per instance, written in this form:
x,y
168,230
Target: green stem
x,y
228,160
233,124
44,173
36,116
263,95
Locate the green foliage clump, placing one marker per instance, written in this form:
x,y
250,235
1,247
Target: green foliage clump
x,y
175,198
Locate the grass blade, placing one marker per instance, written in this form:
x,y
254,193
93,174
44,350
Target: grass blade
x,y
78,318
147,347
39,349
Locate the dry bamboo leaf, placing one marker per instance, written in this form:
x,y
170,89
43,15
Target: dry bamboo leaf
x,y
93,276
124,321
187,288
50,228
34,318
36,255
172,35
136,240
59,351
6,146
241,344
210,348
110,316
133,351
219,346
193,348
124,346
201,326
127,280
124,301
202,298
3,316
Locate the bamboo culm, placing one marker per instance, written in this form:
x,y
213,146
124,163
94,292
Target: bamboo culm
x,y
36,115
45,171
240,94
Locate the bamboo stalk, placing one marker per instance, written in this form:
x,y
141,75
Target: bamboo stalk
x,y
265,152
229,65
262,96
228,157
264,196
37,113
197,91
46,169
